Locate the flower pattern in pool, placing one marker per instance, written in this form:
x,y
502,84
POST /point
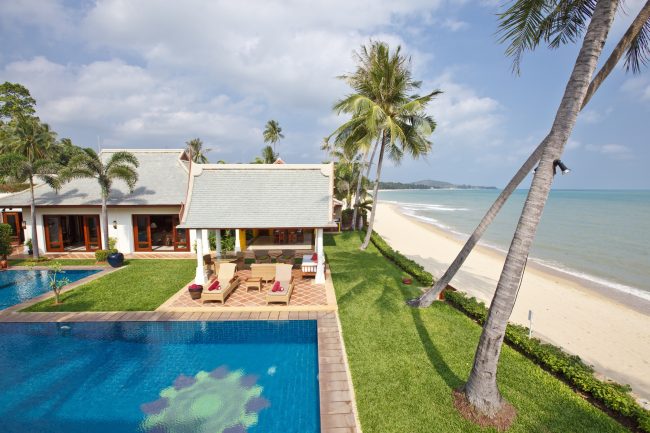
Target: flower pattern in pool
x,y
18,286
217,377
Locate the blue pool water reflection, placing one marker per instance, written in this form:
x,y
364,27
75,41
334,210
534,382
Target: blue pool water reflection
x,y
248,376
18,286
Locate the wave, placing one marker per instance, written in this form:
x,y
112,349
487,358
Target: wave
x,y
426,206
411,211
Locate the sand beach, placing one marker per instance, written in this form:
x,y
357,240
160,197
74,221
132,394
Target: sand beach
x,y
607,330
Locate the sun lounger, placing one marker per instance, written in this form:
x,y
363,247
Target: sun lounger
x,y
227,283
308,265
284,282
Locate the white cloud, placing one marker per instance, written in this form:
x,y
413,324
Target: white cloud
x,y
618,151
454,25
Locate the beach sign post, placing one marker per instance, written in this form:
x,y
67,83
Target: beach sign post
x,y
530,323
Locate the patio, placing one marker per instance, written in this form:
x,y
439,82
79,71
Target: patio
x,y
306,296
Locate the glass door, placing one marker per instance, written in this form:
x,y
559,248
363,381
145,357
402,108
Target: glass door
x,y
181,242
92,235
14,220
53,233
142,232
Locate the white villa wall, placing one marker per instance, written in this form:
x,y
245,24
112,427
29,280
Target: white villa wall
x,y
123,216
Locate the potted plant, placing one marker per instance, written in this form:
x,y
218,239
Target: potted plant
x,y
30,249
195,291
114,258
5,244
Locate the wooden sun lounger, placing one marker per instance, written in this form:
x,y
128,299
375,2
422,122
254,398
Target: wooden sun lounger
x,y
228,282
283,275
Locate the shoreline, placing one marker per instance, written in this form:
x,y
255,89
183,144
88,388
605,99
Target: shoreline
x,y
628,299
610,331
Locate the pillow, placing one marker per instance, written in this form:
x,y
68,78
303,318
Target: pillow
x,y
214,286
277,287
314,257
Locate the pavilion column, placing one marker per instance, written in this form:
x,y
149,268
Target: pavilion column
x,y
205,238
217,235
237,242
320,265
200,272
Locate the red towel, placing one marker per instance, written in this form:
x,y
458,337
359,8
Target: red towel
x,y
276,287
314,257
214,286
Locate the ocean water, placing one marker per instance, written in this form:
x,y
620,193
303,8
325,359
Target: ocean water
x,y
137,377
602,236
17,286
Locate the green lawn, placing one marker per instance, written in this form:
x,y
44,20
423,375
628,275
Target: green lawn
x,y
64,262
405,362
141,286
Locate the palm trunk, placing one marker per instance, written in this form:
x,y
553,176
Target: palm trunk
x,y
35,253
104,222
481,388
375,194
357,200
623,45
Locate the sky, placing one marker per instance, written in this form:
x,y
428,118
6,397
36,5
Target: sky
x,y
154,74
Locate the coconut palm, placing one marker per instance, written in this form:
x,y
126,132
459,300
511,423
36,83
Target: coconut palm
x,y
526,24
635,46
29,144
197,152
268,156
120,166
347,174
272,133
384,108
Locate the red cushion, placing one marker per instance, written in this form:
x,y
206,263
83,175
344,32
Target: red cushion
x,y
314,257
276,287
214,286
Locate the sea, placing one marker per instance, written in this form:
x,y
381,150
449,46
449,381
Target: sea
x,y
599,236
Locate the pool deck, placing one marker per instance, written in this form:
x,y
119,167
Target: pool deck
x,y
338,411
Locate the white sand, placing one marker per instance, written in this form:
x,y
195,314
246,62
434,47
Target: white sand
x,y
609,335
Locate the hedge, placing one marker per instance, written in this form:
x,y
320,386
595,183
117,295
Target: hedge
x,y
614,396
406,264
570,368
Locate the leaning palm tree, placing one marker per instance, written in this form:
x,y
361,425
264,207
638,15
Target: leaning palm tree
x,y
635,46
383,107
526,24
21,169
197,152
30,144
120,166
272,133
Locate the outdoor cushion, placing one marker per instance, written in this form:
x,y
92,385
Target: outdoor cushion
x,y
314,257
215,286
277,287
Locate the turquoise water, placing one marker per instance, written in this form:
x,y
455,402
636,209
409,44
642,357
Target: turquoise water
x,y
163,377
20,286
601,236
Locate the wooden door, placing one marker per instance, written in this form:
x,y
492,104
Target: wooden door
x,y
15,221
142,232
92,235
53,233
181,240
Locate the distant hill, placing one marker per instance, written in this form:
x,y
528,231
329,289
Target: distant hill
x,y
429,184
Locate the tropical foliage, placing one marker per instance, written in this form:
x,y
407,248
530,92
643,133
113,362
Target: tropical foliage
x,y
197,153
383,107
272,133
268,156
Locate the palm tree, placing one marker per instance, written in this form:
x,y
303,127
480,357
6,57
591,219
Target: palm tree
x,y
272,133
268,156
120,166
347,173
196,151
526,23
383,108
634,45
29,144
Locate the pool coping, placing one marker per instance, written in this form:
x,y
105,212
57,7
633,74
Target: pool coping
x,y
338,412
103,270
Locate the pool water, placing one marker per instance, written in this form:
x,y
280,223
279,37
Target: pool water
x,y
20,286
194,377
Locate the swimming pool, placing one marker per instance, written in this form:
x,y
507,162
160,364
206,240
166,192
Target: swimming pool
x,y
198,377
18,286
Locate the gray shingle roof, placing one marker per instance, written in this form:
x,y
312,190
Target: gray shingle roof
x,y
259,196
162,181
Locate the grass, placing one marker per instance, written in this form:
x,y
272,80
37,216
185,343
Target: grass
x,y
45,262
143,285
405,362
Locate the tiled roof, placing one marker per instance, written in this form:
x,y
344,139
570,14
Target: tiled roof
x,y
259,196
162,174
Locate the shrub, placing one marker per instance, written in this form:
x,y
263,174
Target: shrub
x,y
112,244
101,255
5,240
406,264
612,395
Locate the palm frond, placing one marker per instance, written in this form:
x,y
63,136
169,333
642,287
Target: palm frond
x,y
125,173
122,158
639,52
